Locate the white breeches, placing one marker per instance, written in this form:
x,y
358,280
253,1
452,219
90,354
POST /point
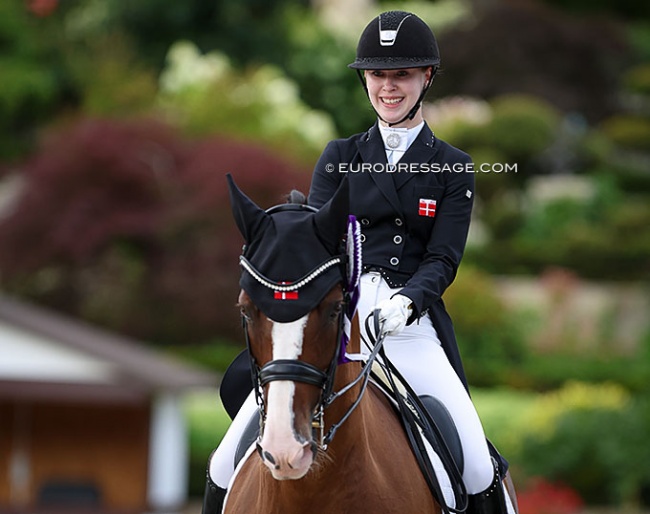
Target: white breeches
x,y
417,354
419,357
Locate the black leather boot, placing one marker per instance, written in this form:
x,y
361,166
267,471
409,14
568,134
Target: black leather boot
x,y
490,501
212,497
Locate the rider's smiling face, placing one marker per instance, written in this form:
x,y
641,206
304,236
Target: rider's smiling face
x,y
393,93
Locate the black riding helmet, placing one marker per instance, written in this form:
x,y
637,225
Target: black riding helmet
x,y
396,40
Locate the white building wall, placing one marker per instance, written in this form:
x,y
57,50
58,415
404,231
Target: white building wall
x,y
168,454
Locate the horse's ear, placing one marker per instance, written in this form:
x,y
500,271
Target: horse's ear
x,y
332,219
248,216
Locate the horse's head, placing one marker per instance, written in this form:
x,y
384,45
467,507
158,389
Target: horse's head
x,y
292,295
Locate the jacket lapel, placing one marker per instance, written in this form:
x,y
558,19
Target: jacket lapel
x,y
421,151
371,150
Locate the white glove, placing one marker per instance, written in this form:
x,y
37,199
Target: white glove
x,y
394,312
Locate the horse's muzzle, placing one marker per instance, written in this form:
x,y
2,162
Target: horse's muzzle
x,y
288,463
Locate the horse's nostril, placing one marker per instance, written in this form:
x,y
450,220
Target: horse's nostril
x,y
266,456
270,458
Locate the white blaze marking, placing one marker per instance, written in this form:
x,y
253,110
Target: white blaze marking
x,y
287,344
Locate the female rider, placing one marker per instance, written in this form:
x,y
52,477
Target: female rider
x,y
413,195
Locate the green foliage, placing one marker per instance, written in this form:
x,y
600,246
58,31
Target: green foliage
x,y
318,63
504,415
120,84
489,336
637,79
628,131
204,94
592,439
216,355
638,36
511,129
547,371
246,30
530,48
208,422
521,126
598,234
30,82
629,454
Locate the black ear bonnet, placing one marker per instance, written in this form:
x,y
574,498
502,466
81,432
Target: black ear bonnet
x,y
293,254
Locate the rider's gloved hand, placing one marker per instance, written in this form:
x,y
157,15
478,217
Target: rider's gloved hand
x,y
394,312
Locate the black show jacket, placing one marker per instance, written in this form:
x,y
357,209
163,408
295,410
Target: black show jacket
x,y
411,249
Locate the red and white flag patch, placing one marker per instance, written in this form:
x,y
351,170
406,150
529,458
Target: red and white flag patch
x,y
285,295
427,207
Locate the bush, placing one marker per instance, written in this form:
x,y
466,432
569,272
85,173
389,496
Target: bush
x,y
576,435
31,82
629,132
521,126
208,422
128,226
490,339
586,226
204,94
637,80
537,58
512,129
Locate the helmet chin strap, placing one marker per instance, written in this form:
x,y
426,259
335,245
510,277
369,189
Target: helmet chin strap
x,y
411,114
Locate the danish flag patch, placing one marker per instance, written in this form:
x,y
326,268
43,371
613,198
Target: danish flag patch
x,y
285,295
427,207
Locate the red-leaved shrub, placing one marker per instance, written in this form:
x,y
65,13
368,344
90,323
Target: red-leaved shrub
x,y
544,497
127,225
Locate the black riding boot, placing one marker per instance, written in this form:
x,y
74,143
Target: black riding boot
x,y
490,501
213,497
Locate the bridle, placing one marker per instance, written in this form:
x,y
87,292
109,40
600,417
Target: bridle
x,y
306,373
301,371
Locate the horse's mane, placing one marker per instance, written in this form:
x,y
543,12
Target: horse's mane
x,y
295,196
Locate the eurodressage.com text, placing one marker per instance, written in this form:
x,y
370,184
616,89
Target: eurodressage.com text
x,y
424,167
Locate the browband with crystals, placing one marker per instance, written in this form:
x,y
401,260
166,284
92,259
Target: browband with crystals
x,y
283,286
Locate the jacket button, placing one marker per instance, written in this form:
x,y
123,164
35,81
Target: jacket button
x,y
399,222
365,222
397,239
394,261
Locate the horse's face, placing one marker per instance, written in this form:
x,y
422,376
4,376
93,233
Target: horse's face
x,y
293,265
287,447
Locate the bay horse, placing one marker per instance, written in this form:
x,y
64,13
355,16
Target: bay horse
x,y
294,298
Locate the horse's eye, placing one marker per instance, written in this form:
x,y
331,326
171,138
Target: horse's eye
x,y
336,310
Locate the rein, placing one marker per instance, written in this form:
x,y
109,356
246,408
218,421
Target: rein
x,y
306,373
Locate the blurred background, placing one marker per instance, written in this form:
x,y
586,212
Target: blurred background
x,y
118,122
